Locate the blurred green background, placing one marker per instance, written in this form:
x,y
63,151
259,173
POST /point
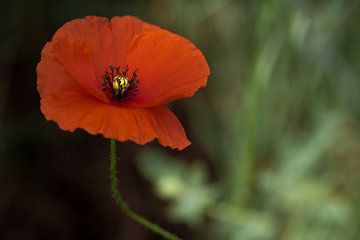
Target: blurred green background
x,y
276,140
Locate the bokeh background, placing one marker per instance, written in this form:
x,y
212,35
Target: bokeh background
x,y
276,140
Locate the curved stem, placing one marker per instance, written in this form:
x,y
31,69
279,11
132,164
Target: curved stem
x,y
136,217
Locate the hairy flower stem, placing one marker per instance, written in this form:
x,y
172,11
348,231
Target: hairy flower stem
x,y
136,217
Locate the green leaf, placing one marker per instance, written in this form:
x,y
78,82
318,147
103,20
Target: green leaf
x,y
184,185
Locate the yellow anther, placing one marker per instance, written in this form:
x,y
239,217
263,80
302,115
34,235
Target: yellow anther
x,y
115,84
120,84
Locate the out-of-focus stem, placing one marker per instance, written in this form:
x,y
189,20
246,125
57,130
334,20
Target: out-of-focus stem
x,y
119,200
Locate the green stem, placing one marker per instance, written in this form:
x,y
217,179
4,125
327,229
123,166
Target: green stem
x,y
136,217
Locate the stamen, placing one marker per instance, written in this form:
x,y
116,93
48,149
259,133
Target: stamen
x,y
117,85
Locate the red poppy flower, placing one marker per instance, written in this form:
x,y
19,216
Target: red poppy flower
x,y
115,77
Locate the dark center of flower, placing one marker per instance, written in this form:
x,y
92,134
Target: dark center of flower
x,y
117,85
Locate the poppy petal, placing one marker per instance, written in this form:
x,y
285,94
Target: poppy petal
x,y
138,125
108,41
170,67
85,47
95,33
53,80
75,57
124,29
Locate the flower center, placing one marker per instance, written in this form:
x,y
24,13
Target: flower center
x,y
117,85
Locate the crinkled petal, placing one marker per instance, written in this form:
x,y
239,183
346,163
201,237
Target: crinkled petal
x,y
169,67
124,29
108,41
52,79
75,58
95,33
138,125
85,47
